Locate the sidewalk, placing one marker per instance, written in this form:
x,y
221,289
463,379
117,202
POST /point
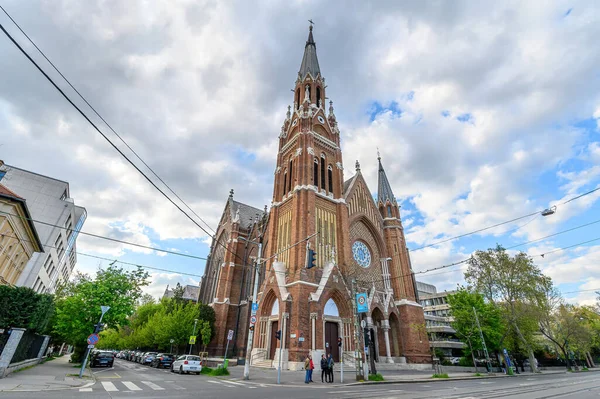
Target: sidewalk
x,y
48,376
262,376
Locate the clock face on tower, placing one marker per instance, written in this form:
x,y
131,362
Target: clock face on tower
x,y
361,254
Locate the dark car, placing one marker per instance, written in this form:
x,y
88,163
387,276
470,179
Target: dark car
x,y
102,359
163,360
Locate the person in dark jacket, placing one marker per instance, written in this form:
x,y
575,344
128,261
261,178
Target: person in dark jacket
x,y
324,367
330,368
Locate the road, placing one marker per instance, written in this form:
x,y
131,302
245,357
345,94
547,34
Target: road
x,y
130,380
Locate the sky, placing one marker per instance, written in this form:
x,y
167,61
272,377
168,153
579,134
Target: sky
x,y
482,112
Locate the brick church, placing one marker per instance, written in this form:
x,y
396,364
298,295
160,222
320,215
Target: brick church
x,y
359,244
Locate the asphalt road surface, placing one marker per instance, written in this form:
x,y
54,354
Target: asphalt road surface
x,y
130,380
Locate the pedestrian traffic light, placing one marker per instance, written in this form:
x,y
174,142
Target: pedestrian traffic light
x,y
339,341
311,260
278,334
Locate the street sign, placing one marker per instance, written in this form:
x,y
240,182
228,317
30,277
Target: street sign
x,y
230,335
93,339
253,319
363,323
254,308
90,346
171,340
361,302
192,339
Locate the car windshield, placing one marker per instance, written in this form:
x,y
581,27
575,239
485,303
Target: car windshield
x,y
104,354
151,354
194,358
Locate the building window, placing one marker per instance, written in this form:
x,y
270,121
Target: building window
x,y
330,178
316,173
2,173
298,99
64,195
318,96
323,171
284,183
291,173
389,209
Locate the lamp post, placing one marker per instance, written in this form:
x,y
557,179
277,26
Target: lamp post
x,y
103,309
193,334
171,341
254,295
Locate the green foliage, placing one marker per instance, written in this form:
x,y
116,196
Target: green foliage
x,y
442,375
465,362
78,303
462,304
219,371
206,370
477,374
23,307
154,325
375,377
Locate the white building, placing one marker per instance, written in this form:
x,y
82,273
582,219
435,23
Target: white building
x,y
50,205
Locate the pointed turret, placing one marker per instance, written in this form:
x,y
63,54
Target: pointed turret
x,y
310,63
384,190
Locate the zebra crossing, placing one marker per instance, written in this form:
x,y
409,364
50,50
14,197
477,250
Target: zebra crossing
x,y
141,386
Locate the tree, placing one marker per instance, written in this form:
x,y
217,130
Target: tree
x,y
205,333
513,283
463,303
78,303
23,307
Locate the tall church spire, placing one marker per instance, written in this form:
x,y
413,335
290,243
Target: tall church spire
x,y
384,190
310,63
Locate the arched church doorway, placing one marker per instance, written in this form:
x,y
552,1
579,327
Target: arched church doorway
x,y
274,318
377,317
395,335
331,315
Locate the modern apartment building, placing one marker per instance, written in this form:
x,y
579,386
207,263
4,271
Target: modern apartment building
x,y
57,220
438,316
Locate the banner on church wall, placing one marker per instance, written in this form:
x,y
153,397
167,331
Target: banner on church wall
x,y
361,302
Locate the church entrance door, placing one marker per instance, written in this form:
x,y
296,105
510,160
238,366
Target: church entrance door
x,y
274,345
331,339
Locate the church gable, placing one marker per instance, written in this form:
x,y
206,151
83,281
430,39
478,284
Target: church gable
x,y
360,201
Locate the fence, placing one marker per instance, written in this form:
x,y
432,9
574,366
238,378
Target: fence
x,y
29,347
20,349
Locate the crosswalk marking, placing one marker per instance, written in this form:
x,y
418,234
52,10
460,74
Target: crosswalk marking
x,y
233,382
131,386
218,382
109,386
153,385
85,390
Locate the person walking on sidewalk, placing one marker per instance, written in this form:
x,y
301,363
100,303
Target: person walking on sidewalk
x,y
324,368
329,368
312,367
307,368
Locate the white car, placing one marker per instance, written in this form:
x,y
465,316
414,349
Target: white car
x,y
187,364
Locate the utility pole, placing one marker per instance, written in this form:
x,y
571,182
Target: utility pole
x,y
485,351
254,299
104,309
357,329
193,334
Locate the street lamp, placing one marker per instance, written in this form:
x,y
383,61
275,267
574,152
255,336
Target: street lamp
x,y
549,211
193,334
254,299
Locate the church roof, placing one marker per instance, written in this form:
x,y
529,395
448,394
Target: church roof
x,y
310,63
247,213
384,190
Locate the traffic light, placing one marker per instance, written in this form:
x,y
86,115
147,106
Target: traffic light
x,y
367,337
340,342
311,260
251,328
98,327
278,334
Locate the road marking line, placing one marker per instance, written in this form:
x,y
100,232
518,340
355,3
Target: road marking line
x,y
131,386
232,382
109,386
220,383
153,385
85,390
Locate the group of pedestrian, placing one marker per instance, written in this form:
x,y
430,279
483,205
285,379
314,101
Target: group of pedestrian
x,y
326,368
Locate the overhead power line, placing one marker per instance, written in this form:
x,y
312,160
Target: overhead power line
x,y
503,223
106,238
108,140
102,118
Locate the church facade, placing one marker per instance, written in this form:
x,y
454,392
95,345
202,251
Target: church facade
x,y
358,242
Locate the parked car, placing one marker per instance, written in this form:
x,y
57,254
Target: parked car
x,y
163,360
102,359
187,364
148,357
455,360
138,357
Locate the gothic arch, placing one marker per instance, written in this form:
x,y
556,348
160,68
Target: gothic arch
x,y
375,233
340,301
267,302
